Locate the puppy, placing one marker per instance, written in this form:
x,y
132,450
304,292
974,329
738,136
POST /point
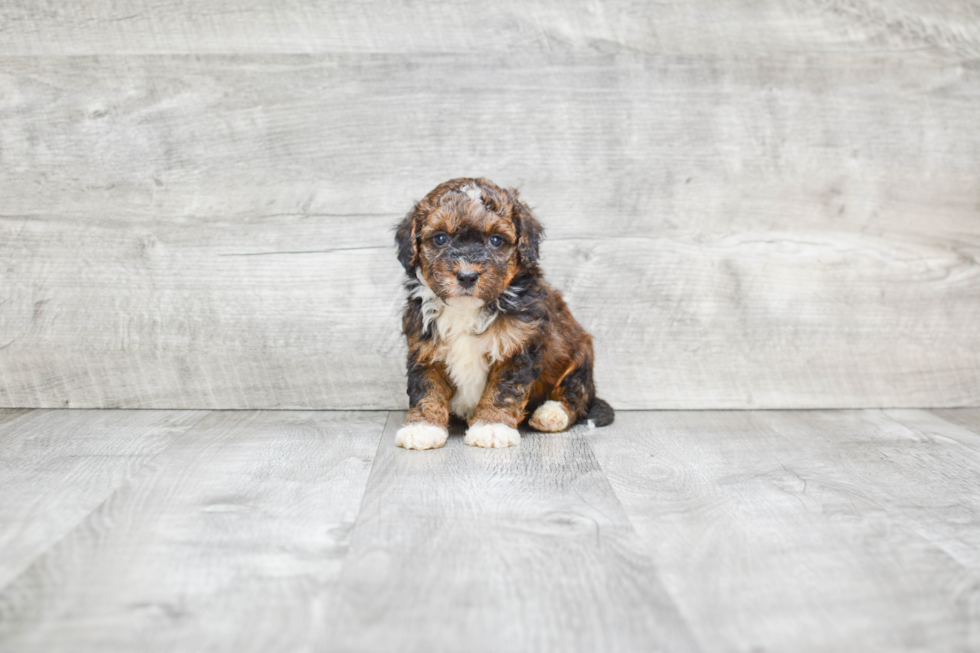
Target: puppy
x,y
488,339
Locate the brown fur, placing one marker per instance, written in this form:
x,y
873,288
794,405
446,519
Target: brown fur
x,y
544,354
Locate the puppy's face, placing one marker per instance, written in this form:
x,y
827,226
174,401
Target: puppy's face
x,y
469,238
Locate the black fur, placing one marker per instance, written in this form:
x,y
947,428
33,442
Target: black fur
x,y
526,300
469,240
516,379
405,238
418,384
600,412
468,246
412,321
529,231
578,385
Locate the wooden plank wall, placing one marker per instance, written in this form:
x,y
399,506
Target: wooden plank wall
x,y
749,204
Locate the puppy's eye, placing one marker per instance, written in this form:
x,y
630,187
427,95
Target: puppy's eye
x,y
440,239
496,241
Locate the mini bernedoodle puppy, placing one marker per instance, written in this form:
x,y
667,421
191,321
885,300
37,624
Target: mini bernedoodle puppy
x,y
488,340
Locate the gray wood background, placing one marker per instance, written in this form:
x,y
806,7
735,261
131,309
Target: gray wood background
x,y
749,204
800,531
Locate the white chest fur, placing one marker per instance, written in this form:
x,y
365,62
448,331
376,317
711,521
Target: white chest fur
x,y
468,351
465,345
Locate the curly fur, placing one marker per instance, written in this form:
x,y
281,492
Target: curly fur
x,y
488,339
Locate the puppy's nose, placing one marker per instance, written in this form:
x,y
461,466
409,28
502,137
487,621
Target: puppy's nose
x,y
467,278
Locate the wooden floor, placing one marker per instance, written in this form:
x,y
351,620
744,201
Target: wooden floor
x,y
310,531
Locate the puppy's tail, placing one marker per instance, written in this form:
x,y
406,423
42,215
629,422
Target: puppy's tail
x,y
600,413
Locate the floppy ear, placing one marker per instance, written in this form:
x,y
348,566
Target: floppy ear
x,y
529,230
407,238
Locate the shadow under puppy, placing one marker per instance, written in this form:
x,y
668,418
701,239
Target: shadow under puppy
x,y
488,339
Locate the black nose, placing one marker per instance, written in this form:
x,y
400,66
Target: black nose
x,y
467,278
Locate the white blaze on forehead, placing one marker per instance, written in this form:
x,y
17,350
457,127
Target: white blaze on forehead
x,y
472,192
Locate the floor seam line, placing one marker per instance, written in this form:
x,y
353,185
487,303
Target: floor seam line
x,y
113,492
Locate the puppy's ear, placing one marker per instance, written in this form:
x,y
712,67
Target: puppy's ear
x,y
529,230
407,238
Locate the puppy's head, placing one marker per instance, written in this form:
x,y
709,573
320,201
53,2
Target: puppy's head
x,y
469,238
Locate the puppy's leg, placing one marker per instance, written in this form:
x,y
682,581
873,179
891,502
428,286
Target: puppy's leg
x,y
429,392
501,408
568,402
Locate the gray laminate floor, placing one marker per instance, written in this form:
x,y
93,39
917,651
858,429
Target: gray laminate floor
x,y
310,531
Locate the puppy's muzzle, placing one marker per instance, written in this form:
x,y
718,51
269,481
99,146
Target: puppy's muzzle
x,y
467,278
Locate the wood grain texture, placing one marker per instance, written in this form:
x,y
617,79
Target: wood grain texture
x,y
968,418
806,530
10,414
924,473
222,26
763,205
273,530
520,549
791,233
195,325
845,142
198,321
229,540
58,466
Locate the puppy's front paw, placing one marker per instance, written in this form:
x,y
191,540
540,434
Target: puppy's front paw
x,y
549,417
491,436
421,435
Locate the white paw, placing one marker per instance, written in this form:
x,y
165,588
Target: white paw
x,y
491,436
549,417
421,435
